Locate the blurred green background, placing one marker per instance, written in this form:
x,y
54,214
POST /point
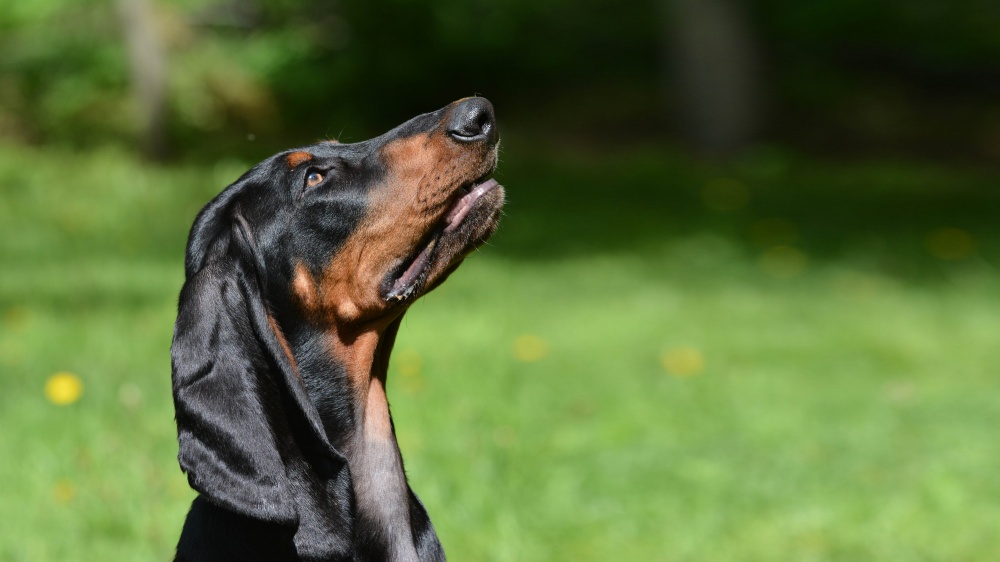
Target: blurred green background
x,y
743,304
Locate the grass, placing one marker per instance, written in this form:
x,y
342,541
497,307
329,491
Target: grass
x,y
655,359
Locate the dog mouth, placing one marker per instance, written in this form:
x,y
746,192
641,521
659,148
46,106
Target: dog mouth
x,y
463,226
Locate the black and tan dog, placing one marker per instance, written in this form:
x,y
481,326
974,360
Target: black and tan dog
x,y
297,276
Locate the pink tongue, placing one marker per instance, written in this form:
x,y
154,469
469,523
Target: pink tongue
x,y
465,203
402,287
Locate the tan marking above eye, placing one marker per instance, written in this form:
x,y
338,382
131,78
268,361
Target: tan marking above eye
x,y
296,158
314,179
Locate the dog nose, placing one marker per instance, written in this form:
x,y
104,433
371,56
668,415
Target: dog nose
x,y
472,120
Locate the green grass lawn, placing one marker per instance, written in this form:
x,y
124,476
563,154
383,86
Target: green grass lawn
x,y
655,359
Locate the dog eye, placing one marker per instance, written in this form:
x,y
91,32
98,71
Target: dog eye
x,y
313,179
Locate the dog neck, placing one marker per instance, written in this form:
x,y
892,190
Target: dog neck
x,y
345,375
364,358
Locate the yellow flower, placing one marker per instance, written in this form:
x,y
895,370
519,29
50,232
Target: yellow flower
x,y
683,361
951,244
64,491
784,262
529,348
63,388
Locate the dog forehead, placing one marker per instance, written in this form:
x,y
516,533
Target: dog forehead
x,y
334,149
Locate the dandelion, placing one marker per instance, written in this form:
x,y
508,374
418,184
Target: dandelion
x,y
63,388
15,317
63,491
784,262
529,348
950,244
683,361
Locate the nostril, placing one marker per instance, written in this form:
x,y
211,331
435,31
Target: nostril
x,y
472,120
470,125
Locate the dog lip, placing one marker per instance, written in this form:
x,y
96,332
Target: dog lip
x,y
411,277
453,218
406,283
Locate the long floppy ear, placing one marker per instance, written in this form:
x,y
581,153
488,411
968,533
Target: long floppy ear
x,y
236,393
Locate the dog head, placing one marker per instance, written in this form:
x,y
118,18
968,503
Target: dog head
x,y
353,233
341,236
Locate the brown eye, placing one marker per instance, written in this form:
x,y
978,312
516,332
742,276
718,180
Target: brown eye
x,y
313,179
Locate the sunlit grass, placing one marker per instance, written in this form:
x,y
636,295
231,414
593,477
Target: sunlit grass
x,y
636,368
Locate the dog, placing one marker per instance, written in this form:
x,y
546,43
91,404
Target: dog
x,y
296,278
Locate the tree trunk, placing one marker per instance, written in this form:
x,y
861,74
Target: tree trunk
x,y
714,60
148,68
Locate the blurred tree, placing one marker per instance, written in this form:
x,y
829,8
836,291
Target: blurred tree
x,y
148,66
716,62
62,72
248,76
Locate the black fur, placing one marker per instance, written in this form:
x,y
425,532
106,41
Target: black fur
x,y
262,439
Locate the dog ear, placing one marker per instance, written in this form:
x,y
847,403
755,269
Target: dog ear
x,y
236,393
212,227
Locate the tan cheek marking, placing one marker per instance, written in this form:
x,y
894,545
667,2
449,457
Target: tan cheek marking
x,y
349,287
335,297
341,296
304,289
357,355
284,343
296,158
401,212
